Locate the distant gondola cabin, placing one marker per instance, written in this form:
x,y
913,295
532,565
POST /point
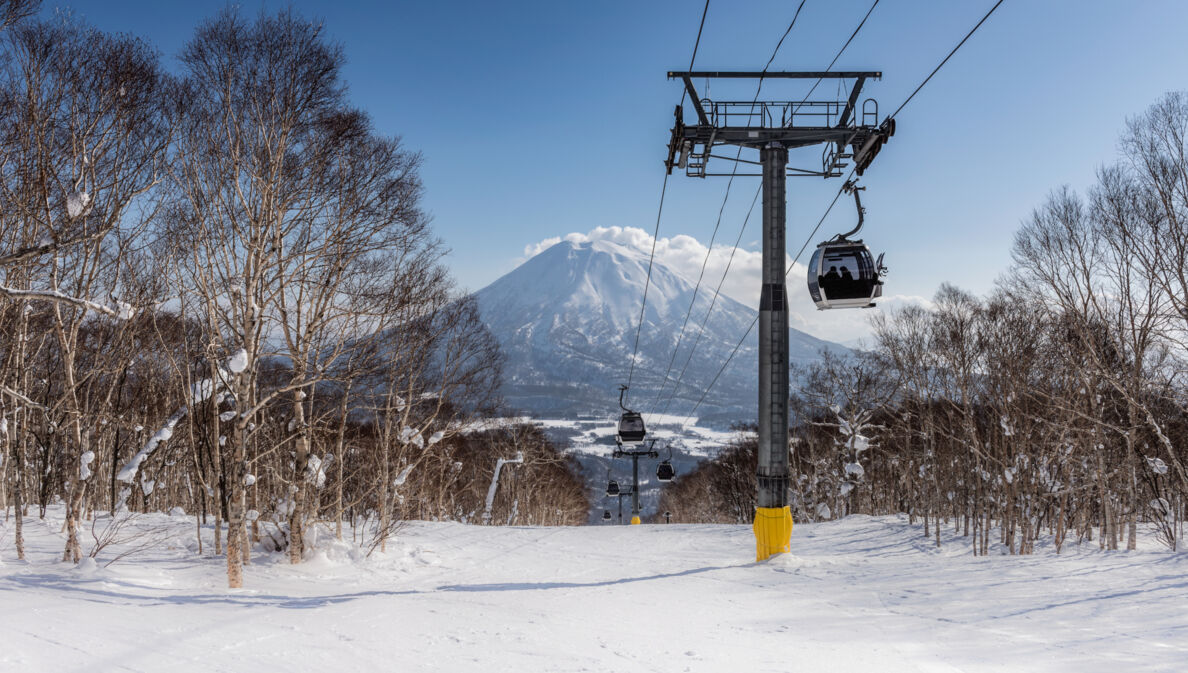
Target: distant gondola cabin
x,y
631,428
664,471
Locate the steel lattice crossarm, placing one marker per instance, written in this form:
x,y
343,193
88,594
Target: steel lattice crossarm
x,y
840,124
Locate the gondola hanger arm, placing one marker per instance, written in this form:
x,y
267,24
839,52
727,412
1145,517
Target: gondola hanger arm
x,y
852,187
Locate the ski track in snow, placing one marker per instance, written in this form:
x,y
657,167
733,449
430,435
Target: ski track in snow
x,y
860,594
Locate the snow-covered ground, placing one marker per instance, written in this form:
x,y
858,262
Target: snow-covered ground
x,y
861,594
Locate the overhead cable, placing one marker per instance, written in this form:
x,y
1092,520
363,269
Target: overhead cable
x,y
656,232
718,224
834,202
946,59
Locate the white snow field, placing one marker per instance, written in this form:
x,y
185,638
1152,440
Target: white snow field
x,y
861,594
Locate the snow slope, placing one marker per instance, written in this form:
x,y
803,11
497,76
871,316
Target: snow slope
x,y
567,317
861,594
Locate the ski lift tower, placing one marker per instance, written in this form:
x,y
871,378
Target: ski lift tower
x,y
849,132
634,454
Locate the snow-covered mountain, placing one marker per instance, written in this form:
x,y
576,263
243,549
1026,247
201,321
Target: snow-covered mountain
x,y
567,317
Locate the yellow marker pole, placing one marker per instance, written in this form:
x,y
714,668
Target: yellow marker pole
x,y
773,531
635,487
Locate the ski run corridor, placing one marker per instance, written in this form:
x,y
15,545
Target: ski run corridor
x,y
859,594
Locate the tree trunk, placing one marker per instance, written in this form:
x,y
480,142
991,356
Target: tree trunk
x,y
18,498
301,463
1132,483
1060,522
218,529
1108,535
340,455
235,506
385,505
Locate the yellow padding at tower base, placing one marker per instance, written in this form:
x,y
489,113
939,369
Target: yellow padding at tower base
x,y
635,521
773,531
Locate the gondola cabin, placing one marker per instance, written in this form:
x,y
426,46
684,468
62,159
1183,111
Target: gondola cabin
x,y
664,471
606,515
843,274
631,428
612,488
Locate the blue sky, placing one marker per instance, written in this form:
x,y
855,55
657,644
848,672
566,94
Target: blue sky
x,y
541,119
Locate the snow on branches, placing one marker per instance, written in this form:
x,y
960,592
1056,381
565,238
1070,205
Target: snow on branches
x,y
120,311
199,392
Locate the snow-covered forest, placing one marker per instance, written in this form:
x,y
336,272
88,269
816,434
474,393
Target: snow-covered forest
x,y
219,293
1057,406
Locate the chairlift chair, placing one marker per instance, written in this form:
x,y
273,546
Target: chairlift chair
x,y
842,272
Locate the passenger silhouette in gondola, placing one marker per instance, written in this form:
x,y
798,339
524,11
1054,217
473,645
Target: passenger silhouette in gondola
x,y
846,286
830,281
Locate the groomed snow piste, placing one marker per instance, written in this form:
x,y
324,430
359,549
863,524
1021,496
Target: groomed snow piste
x,y
861,594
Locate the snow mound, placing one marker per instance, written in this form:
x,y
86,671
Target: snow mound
x,y
87,566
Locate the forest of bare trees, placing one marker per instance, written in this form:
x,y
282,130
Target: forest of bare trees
x,y
219,293
1055,407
